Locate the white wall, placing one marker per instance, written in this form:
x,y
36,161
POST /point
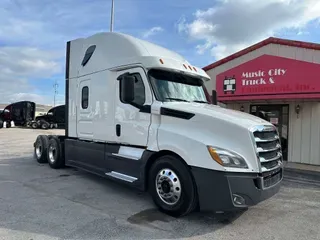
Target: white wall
x,y
304,131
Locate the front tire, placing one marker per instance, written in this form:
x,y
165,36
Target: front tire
x,y
172,187
55,153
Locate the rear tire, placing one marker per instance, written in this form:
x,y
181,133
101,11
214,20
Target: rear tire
x,y
172,187
45,125
41,148
34,125
55,153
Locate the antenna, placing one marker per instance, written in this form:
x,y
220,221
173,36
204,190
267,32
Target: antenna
x,y
112,16
55,88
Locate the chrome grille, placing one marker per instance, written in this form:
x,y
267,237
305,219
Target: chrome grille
x,y
270,165
264,135
268,155
268,147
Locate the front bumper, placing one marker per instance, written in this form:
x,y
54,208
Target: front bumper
x,y
226,191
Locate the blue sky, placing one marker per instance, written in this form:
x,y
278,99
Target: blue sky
x,y
33,33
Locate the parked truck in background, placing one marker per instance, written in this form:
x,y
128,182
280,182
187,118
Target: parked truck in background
x,y
23,114
55,117
2,117
20,113
139,114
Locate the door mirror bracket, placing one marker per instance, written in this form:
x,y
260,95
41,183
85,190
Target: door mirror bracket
x,y
214,99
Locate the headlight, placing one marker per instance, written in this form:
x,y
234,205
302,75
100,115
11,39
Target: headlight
x,y
227,158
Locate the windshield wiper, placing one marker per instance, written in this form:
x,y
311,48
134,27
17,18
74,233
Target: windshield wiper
x,y
199,101
178,99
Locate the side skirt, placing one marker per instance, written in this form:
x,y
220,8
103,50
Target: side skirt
x,y
126,164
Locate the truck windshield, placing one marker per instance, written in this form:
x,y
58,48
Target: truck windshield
x,y
171,86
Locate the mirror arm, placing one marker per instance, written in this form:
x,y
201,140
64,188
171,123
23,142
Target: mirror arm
x,y
122,75
142,108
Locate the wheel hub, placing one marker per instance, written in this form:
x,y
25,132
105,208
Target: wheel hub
x,y
165,186
168,186
52,154
39,150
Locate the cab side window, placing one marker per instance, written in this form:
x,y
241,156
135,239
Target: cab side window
x,y
139,90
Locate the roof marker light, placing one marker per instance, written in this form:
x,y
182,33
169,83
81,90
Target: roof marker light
x,y
195,69
190,68
185,66
161,61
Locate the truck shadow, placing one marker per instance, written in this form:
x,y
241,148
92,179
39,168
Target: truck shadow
x,y
194,224
37,129
162,225
153,214
101,206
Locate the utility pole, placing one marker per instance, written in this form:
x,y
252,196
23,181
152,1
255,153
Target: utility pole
x,y
55,88
112,16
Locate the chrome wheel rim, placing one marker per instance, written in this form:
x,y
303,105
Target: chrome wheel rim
x,y
39,151
52,154
168,186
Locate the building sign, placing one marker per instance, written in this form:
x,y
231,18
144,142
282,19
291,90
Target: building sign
x,y
268,77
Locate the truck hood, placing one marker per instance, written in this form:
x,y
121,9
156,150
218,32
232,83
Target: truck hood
x,y
232,116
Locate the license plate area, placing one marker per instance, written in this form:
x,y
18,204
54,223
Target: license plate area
x,y
272,179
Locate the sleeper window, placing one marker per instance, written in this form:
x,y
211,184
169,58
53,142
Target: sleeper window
x,y
88,55
85,98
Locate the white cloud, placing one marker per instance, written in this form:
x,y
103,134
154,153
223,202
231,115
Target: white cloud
x,y
18,64
52,23
152,32
33,37
26,97
26,61
301,32
235,24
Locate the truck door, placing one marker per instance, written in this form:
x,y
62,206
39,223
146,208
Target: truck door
x,y
132,127
84,110
132,123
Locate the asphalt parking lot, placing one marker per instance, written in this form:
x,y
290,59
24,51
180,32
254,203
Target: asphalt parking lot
x,y
37,202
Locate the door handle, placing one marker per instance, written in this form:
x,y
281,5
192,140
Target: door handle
x,y
118,130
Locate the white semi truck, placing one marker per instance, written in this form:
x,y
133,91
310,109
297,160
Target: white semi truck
x,y
139,114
